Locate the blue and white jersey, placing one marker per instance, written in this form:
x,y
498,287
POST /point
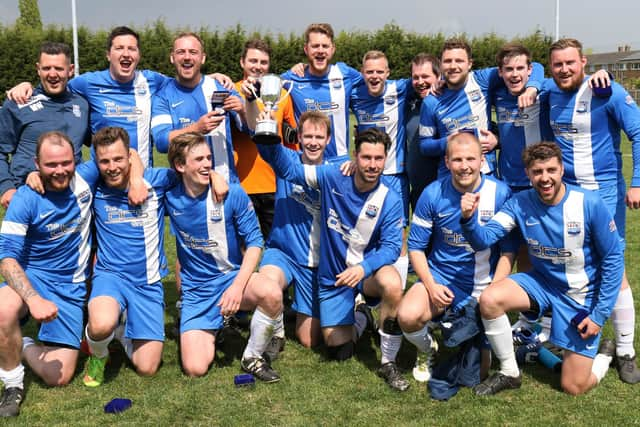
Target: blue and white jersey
x,y
587,129
131,238
49,235
465,109
436,219
177,107
209,235
518,129
127,105
296,220
387,113
357,228
328,94
574,244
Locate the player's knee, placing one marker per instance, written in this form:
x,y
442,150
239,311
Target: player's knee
x,y
148,368
194,369
341,352
489,303
101,327
409,317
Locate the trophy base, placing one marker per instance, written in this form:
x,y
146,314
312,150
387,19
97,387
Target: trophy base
x,y
266,138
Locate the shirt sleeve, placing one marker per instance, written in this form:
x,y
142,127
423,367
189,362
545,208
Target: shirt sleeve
x,y
389,244
431,143
626,113
483,236
9,125
246,219
422,221
161,122
16,223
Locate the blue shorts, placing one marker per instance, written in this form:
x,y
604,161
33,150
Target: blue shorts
x,y
305,296
66,329
144,304
460,291
613,197
336,304
563,308
400,184
200,303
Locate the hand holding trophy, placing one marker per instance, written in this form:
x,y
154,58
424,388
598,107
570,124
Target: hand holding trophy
x,y
270,94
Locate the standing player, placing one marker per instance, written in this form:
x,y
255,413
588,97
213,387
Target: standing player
x,y
184,105
452,270
217,279
587,129
256,176
325,87
44,253
421,170
52,107
577,269
360,239
463,105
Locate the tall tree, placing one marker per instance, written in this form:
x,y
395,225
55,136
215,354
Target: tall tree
x,y
29,14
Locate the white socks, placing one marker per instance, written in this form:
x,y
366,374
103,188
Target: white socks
x,y
623,319
98,348
421,339
14,377
498,332
600,366
262,328
389,346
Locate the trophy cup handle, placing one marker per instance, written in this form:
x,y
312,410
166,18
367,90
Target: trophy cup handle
x,y
290,82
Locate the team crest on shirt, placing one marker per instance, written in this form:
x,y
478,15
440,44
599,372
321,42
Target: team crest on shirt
x,y
141,90
485,214
371,211
475,95
582,107
76,110
336,83
574,227
215,214
390,100
612,226
85,196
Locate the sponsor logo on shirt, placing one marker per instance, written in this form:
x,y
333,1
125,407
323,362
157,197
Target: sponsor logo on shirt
x,y
75,109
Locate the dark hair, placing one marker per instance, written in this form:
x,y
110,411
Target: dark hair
x,y
181,144
373,136
121,31
541,151
423,58
510,50
55,48
108,135
456,43
256,44
54,137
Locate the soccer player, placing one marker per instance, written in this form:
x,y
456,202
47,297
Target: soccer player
x,y
184,105
577,270
293,248
256,176
120,95
360,239
130,260
421,170
217,279
464,104
325,87
52,107
587,129
44,253
451,271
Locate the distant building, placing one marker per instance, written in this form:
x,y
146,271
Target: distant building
x,y
623,64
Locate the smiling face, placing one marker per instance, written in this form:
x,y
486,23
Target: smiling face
x,y
123,57
515,71
56,164
114,165
455,65
567,68
464,160
319,50
546,179
375,73
188,57
54,72
422,78
313,139
196,167
370,160
255,63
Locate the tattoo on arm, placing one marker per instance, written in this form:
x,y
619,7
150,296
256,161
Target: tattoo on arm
x,y
18,281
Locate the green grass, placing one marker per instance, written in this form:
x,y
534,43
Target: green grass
x,y
314,391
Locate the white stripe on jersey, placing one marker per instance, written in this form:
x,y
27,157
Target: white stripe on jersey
x,y
574,230
478,105
81,189
416,220
217,138
486,210
427,131
582,144
10,227
217,232
532,129
152,235
338,97
365,225
310,176
505,221
142,93
391,127
314,240
161,119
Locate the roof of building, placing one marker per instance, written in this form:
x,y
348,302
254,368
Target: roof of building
x,y
613,57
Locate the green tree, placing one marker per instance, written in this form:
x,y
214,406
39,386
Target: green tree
x,y
29,15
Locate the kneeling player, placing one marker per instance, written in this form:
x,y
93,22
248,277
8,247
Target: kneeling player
x,y
577,270
452,271
217,280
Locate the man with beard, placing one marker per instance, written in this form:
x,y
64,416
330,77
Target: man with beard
x,y
44,253
587,129
52,107
577,264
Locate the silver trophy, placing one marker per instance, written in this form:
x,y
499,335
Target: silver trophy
x,y
270,95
